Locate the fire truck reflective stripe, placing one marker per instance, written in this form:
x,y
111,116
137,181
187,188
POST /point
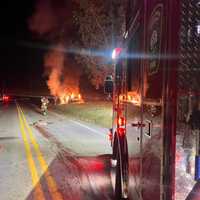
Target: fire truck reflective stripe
x,y
50,181
197,168
34,175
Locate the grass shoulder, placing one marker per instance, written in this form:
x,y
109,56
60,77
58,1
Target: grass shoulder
x,y
97,112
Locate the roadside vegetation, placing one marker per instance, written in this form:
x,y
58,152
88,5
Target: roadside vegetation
x,y
99,113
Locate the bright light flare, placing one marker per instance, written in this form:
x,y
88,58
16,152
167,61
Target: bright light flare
x,y
198,29
116,52
96,53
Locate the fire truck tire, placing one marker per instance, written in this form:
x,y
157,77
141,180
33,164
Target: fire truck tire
x,y
115,148
120,174
118,185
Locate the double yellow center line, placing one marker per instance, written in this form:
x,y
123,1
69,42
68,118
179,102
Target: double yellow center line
x,y
29,139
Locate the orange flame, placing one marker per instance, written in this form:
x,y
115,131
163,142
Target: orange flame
x,y
134,97
63,81
73,97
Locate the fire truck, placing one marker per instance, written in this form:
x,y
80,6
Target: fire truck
x,y
154,147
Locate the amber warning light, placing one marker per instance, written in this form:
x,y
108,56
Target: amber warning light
x,y
121,121
121,126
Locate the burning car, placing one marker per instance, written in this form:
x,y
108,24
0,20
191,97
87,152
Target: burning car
x,y
70,98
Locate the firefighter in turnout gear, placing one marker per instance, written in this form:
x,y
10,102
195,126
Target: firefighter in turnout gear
x,y
44,105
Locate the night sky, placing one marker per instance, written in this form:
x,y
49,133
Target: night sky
x,y
20,66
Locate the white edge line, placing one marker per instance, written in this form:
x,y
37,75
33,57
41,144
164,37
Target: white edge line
x,y
87,127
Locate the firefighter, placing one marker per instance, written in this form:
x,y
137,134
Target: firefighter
x,y
108,87
44,105
193,120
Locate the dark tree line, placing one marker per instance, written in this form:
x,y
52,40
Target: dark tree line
x,y
100,27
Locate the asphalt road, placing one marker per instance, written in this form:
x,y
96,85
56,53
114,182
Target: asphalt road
x,y
51,157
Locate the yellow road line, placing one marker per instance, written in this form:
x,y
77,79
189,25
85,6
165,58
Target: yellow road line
x,y
50,181
35,179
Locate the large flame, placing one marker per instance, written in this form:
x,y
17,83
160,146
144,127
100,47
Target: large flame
x,y
63,81
134,97
67,98
51,21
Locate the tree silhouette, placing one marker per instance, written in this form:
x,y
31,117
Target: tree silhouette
x,y
100,28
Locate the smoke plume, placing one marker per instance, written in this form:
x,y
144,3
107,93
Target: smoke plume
x,y
54,64
63,79
44,19
51,21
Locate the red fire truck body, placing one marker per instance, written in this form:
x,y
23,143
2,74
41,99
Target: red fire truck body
x,y
145,102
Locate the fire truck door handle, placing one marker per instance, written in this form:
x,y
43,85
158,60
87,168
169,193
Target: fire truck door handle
x,y
138,125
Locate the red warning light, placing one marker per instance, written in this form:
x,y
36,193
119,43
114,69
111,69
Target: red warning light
x,y
6,98
121,131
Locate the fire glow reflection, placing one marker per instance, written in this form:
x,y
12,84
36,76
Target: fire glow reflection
x,y
132,97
